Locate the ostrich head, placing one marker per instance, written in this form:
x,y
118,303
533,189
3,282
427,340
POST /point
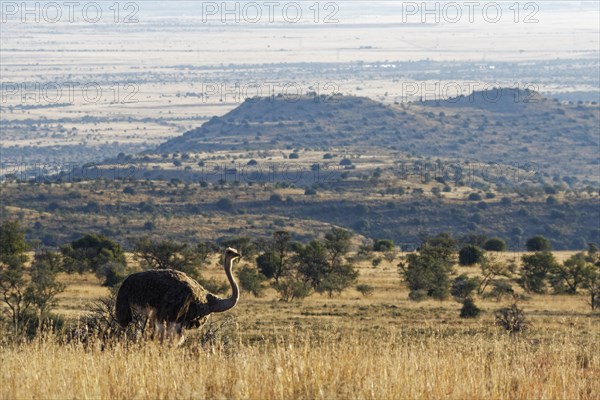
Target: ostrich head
x,y
232,254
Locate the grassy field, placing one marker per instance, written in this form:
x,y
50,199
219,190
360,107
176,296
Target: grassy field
x,y
379,347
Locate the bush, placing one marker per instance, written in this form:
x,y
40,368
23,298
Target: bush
x,y
224,204
310,192
469,255
512,319
469,309
113,273
293,156
500,289
383,245
292,288
251,280
213,286
463,287
428,271
551,200
537,243
535,271
90,252
474,197
276,198
365,290
494,244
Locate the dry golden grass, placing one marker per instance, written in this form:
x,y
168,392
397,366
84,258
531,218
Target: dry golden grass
x,y
379,347
323,363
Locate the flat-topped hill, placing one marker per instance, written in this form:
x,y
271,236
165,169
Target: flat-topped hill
x,y
499,125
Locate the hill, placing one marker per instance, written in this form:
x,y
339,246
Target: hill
x,y
505,126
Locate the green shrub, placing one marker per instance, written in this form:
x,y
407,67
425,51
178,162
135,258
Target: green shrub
x,y
251,280
469,309
469,255
365,290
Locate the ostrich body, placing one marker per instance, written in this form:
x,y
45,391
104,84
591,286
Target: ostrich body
x,y
171,298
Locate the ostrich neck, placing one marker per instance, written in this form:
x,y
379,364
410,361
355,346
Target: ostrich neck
x,y
230,302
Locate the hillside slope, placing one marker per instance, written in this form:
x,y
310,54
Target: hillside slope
x,y
507,126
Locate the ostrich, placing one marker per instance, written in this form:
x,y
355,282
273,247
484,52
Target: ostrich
x,y
171,298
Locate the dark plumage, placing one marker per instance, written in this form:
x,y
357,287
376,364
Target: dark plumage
x,y
172,298
173,295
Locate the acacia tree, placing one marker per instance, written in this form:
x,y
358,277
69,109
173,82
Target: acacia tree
x,y
165,254
537,243
427,273
469,255
493,268
323,265
572,274
25,289
90,253
13,283
43,287
535,271
275,262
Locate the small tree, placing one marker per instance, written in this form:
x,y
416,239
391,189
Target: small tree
x,y
495,244
469,309
14,286
571,274
535,271
275,262
24,290
500,289
428,272
462,290
251,280
537,243
90,253
292,287
323,264
166,254
463,287
338,279
470,255
43,285
492,268
16,293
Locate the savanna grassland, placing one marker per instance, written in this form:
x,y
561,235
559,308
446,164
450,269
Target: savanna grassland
x,y
382,346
